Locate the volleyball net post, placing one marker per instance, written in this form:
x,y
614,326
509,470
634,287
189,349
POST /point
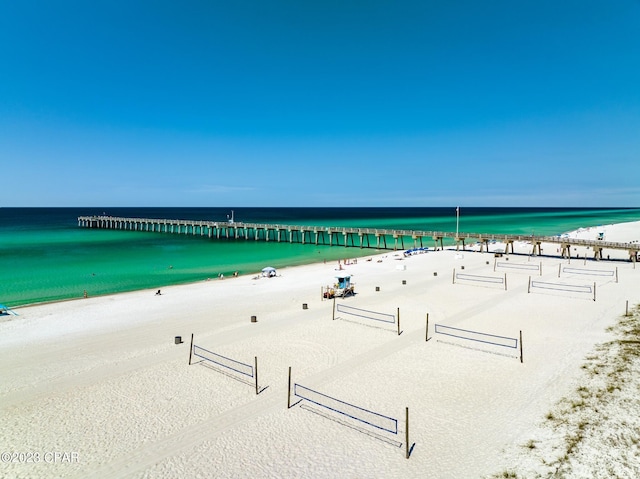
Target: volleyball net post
x,y
521,357
408,446
426,336
399,332
255,362
406,433
289,391
334,309
191,350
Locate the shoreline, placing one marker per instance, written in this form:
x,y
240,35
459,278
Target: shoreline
x,y
187,283
590,230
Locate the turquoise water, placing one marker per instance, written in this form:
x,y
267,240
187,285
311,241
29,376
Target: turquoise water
x,y
45,256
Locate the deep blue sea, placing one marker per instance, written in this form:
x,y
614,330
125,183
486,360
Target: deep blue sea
x,y
46,256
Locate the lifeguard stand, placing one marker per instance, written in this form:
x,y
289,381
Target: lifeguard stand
x,y
344,281
344,286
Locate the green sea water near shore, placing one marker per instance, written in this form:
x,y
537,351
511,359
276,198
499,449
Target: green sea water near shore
x,y
46,256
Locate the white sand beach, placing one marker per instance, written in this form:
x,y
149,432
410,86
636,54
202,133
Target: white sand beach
x,y
97,387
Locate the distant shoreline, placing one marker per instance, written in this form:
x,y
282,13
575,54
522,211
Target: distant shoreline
x,y
469,249
51,259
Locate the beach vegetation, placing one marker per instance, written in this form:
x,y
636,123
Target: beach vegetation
x,y
506,474
587,417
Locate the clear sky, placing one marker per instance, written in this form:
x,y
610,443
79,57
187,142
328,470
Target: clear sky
x,y
320,103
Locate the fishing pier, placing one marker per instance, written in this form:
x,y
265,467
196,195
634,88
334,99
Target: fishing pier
x,y
344,236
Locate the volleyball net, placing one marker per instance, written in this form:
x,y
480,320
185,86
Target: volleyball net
x,y
466,278
590,272
244,372
222,361
476,336
366,314
518,266
362,415
589,289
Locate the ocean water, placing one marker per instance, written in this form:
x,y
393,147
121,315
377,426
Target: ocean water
x,y
46,256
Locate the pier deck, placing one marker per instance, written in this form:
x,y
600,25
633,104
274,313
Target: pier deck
x,y
344,236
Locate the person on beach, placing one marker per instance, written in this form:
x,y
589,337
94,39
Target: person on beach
x,y
158,293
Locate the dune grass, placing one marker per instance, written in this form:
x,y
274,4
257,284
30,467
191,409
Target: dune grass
x,y
595,431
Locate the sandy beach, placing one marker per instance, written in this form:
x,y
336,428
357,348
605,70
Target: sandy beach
x,y
98,387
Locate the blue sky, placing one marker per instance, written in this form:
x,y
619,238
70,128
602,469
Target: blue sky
x,y
328,103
